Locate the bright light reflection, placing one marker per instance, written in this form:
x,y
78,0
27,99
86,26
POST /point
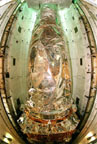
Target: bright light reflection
x,y
8,136
6,140
22,1
92,139
90,134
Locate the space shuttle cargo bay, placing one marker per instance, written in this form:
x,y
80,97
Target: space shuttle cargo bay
x,y
78,22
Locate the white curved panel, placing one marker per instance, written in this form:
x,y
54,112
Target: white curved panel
x,y
93,2
3,2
